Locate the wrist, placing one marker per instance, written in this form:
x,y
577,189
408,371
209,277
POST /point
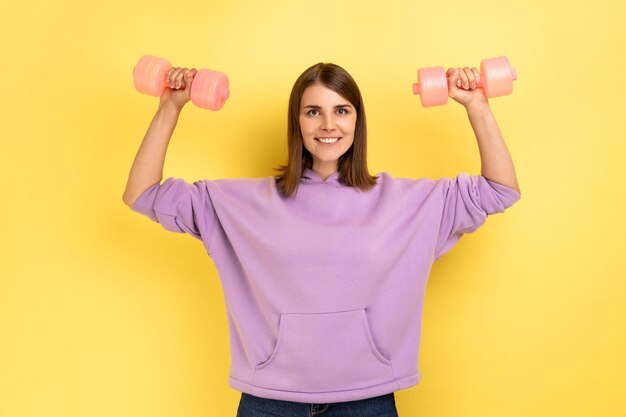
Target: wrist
x,y
477,107
170,109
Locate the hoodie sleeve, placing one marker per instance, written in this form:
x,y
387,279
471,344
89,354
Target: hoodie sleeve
x,y
179,207
468,200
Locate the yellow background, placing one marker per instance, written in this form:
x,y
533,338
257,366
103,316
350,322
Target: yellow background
x,y
104,313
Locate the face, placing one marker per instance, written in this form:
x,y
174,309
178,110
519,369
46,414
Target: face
x,y
327,123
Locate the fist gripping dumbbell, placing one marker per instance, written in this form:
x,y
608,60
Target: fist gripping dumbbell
x,y
209,89
496,79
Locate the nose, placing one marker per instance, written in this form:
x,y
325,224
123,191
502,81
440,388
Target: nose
x,y
328,123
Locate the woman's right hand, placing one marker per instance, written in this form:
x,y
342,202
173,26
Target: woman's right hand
x,y
177,91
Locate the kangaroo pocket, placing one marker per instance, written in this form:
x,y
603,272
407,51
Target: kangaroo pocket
x,y
318,352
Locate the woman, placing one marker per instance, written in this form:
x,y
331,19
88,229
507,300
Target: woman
x,y
324,267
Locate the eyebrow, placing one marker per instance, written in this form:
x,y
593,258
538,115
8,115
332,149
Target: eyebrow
x,y
315,106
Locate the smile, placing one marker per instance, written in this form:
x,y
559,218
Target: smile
x,y
327,140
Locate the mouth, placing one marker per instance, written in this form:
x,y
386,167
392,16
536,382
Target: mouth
x,y
328,141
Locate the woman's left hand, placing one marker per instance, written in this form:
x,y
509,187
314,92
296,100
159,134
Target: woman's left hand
x,y
462,88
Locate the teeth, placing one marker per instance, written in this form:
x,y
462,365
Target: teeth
x,y
328,140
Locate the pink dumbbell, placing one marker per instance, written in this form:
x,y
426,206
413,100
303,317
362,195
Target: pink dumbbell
x,y
209,89
496,79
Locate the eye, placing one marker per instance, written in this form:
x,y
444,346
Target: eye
x,y
312,112
342,111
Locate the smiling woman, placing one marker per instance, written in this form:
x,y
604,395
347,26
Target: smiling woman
x,y
324,287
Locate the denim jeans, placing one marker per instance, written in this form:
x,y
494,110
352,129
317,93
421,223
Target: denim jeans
x,y
253,406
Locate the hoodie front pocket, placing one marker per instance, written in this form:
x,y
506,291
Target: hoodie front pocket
x,y
323,352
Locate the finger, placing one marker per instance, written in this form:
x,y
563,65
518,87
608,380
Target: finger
x,y
179,78
174,77
464,81
470,77
476,74
189,75
170,73
185,79
453,77
186,76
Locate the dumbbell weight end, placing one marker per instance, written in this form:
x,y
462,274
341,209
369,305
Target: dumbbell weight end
x,y
432,86
149,75
210,89
496,76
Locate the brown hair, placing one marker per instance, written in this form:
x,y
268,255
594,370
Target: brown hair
x,y
352,165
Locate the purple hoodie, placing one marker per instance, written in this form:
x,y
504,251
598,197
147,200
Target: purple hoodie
x,y
324,290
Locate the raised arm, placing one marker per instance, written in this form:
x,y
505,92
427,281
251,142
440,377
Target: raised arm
x,y
496,162
147,168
